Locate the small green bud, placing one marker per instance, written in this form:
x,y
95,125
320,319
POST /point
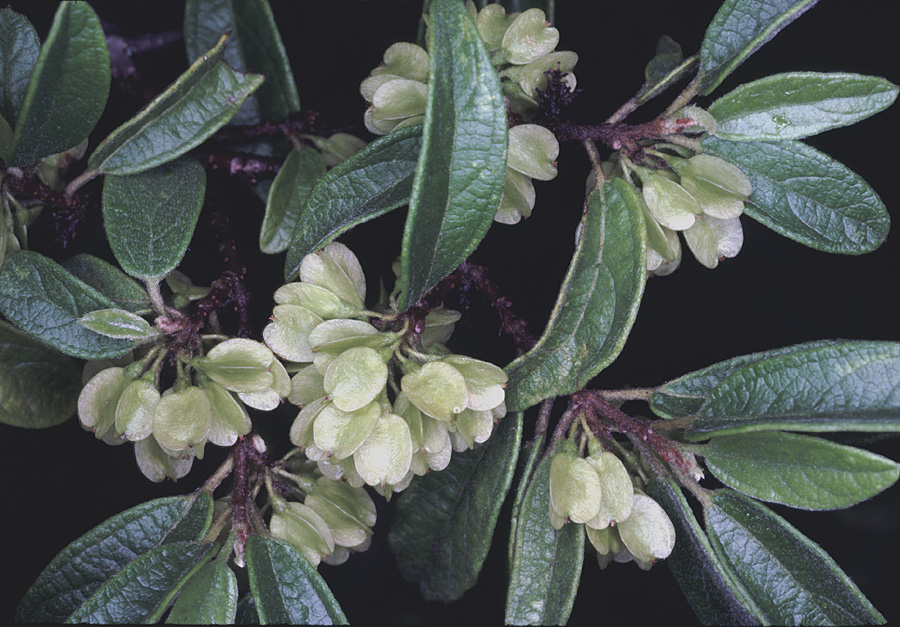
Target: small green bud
x,y
184,289
529,38
711,239
647,532
303,528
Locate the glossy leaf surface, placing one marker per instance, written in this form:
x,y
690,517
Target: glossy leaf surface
x,y
118,323
107,279
596,306
445,521
19,49
462,165
209,598
298,175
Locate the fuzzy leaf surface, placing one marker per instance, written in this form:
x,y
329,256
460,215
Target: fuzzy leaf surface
x,y
118,323
19,50
107,279
287,196
596,306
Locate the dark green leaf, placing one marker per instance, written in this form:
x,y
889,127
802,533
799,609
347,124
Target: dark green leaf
x,y
738,30
295,180
143,590
19,49
793,581
286,587
246,612
807,196
712,589
39,386
597,303
462,165
69,87
372,182
81,568
107,279
847,386
45,301
544,564
194,107
150,217
209,597
444,521
798,470
799,104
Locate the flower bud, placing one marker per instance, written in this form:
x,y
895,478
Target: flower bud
x,y
647,532
303,528
711,239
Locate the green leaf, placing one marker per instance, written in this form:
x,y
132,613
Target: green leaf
x,y
19,50
798,470
739,29
293,183
444,521
596,306
143,590
45,301
847,386
150,217
462,165
807,196
118,323
799,104
544,564
107,279
209,597
792,579
372,182
710,586
286,588
194,107
39,386
85,565
246,612
69,87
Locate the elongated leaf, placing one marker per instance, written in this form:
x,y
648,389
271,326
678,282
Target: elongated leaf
x,y
372,182
19,50
444,522
655,87
286,587
792,579
45,301
107,279
246,612
715,593
143,590
118,323
462,165
544,564
150,217
295,180
738,30
39,386
85,565
68,89
799,104
254,46
849,386
209,597
194,107
807,196
798,470
597,303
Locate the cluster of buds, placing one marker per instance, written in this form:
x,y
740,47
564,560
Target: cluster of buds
x,y
623,523
345,366
522,48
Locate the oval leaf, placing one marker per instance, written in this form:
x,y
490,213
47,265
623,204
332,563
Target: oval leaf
x,y
444,521
807,196
81,568
799,104
462,165
597,303
372,182
39,386
800,583
194,107
544,563
209,598
118,323
69,87
45,301
293,183
286,587
847,386
798,470
107,279
19,50
739,29
150,217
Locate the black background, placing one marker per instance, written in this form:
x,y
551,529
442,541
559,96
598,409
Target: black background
x,y
59,483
